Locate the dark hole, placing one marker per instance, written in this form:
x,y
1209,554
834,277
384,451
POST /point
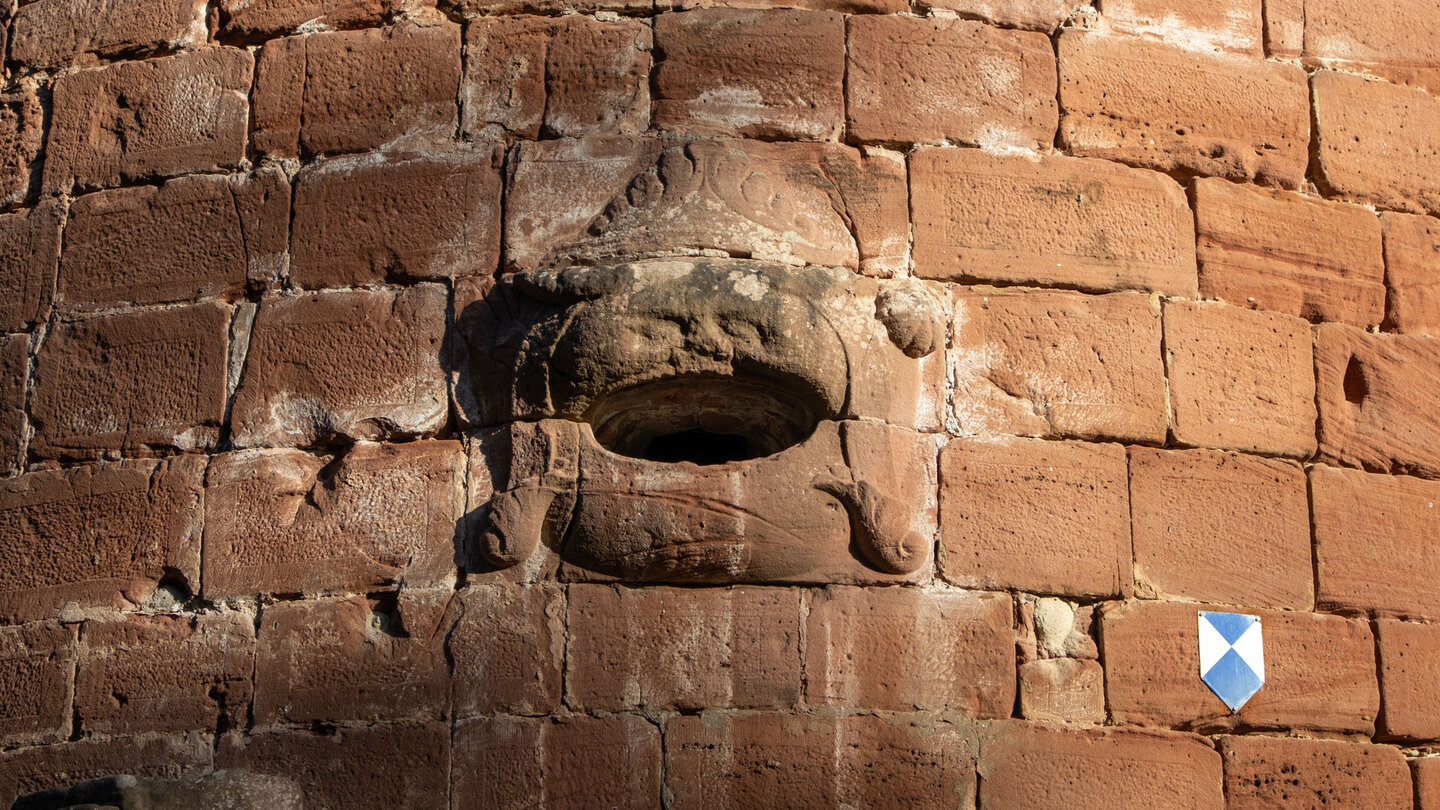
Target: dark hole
x,y
698,447
1356,388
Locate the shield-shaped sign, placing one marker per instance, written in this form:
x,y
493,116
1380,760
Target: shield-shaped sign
x,y
1232,656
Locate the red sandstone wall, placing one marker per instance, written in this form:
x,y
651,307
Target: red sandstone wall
x,y
1193,273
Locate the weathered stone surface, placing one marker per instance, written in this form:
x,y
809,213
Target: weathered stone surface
x,y
1319,671
558,763
1230,25
1276,250
370,768
504,88
352,659
1145,103
135,383
1023,763
1378,143
1371,546
1239,379
142,674
935,79
37,674
669,648
1062,690
1034,515
307,99
283,521
27,770
1040,15
1057,364
1051,221
1409,667
227,789
153,118
193,237
1392,38
14,374
607,197
726,760
751,74
252,20
1275,772
1412,273
1375,394
1425,772
29,255
362,364
51,33
905,649
473,8
507,649
21,134
1221,527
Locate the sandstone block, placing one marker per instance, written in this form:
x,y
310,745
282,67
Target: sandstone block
x,y
14,373
904,649
469,9
1050,221
1371,546
283,521
1021,763
27,770
1239,380
258,20
597,198
671,648
1187,112
1275,772
307,99
745,760
51,33
1409,668
21,135
362,364
1425,771
193,237
1378,143
504,87
1035,515
1319,671
1412,273
507,648
934,79
153,118
1336,34
1276,250
141,674
37,673
1062,690
1229,25
1375,394
29,255
751,73
1221,527
1037,15
1284,27
1057,364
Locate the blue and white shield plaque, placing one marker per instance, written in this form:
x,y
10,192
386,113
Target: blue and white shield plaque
x,y
1232,656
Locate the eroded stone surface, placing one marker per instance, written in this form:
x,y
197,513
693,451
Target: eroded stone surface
x,y
1409,663
51,33
259,19
231,789
37,672
15,366
1062,690
1390,39
1378,143
29,255
507,649
1231,25
1041,15
21,135
1268,771
28,770
1412,273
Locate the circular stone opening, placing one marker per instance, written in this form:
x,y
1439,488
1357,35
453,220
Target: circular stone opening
x,y
702,419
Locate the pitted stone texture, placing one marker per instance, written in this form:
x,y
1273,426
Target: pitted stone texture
x,y
1392,38
743,760
1057,364
471,9
227,789
1375,394
369,219
751,74
14,373
1239,379
794,202
308,100
141,674
1276,250
1034,515
1062,690
283,521
1372,551
37,674
669,648
21,135
254,20
1409,667
843,6
1221,527
1050,221
1319,671
1274,772
1378,143
52,33
357,364
27,770
1038,15
193,237
507,648
1425,771
1412,273
352,659
364,768
135,383
1024,764
567,76
934,79
153,118
1145,103
565,763
29,255
903,649
1229,25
